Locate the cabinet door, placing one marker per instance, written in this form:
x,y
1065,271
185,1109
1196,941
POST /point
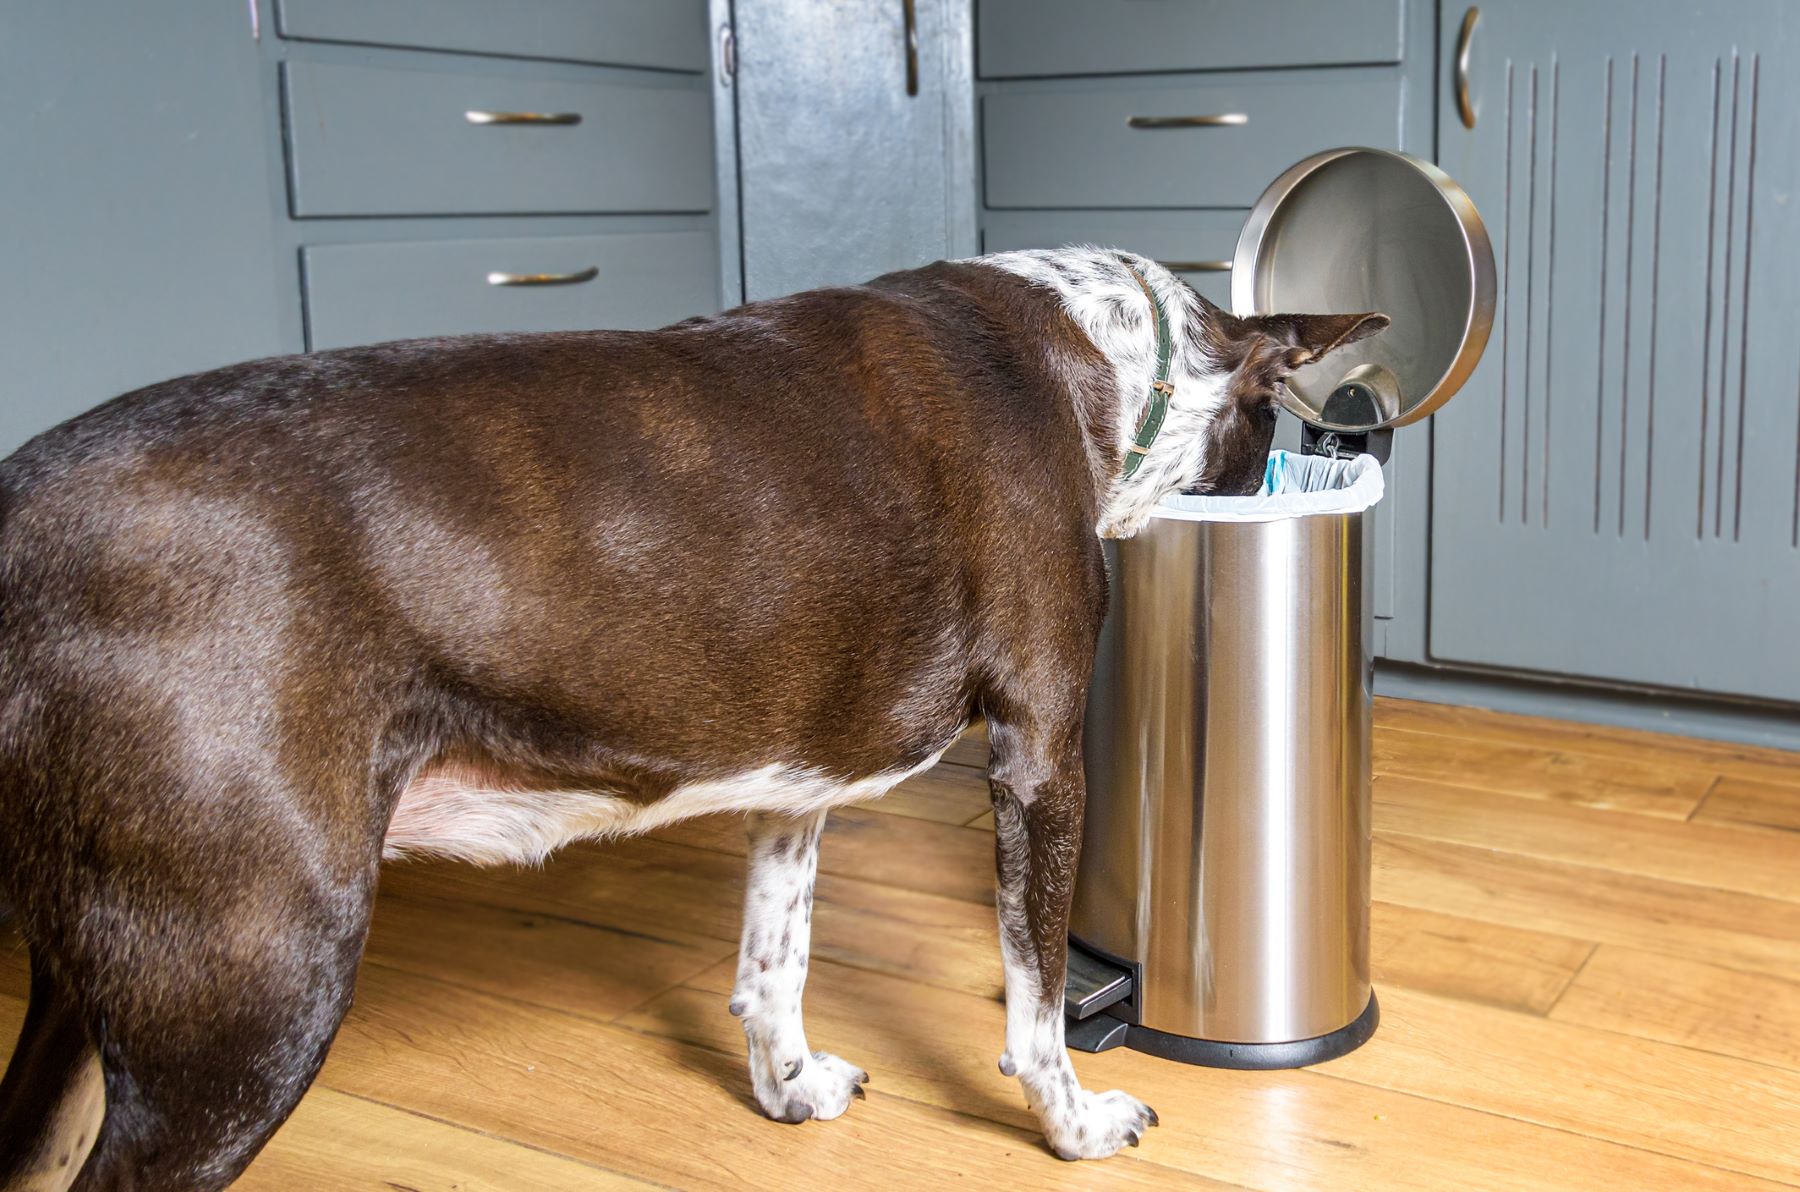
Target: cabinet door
x,y
135,190
1616,494
844,174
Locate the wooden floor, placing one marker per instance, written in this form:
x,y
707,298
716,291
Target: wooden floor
x,y
1587,947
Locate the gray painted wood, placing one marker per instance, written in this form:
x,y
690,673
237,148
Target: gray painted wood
x,y
844,175
368,292
1068,144
1173,237
368,140
134,193
669,34
1403,519
1617,494
1073,37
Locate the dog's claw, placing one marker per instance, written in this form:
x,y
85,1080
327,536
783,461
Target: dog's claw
x,y
856,1090
794,1068
1151,1113
1133,1139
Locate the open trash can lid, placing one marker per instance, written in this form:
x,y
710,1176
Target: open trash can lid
x,y
1352,230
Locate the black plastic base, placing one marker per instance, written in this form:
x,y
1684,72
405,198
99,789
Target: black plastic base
x,y
1103,1032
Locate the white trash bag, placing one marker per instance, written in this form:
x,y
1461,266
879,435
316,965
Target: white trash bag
x,y
1294,485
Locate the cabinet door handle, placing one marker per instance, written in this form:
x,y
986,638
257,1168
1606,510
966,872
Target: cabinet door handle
x,y
479,117
1196,266
1218,120
1465,106
910,13
544,279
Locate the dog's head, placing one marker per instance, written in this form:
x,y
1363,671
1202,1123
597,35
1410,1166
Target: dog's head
x,y
1226,372
1254,357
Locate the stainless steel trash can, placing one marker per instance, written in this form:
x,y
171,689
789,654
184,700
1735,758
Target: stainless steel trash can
x,y
1222,902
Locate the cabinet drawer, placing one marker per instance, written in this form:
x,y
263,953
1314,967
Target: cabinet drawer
x,y
366,293
377,141
1172,237
666,34
1071,37
1080,143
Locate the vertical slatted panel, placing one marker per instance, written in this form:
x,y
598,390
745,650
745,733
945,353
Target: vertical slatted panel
x,y
1610,488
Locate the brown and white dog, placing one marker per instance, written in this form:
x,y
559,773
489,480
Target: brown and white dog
x,y
264,627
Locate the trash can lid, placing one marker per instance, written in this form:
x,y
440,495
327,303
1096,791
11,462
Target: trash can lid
x,y
1352,230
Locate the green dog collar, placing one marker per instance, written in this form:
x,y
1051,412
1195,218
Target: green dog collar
x,y
1160,388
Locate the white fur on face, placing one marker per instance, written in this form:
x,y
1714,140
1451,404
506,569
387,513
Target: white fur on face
x,y
792,1082
1109,306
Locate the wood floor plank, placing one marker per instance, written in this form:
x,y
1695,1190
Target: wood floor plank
x,y
1704,854
354,1145
867,845
1677,1000
1720,926
1717,1110
1539,772
1296,1129
946,794
561,962
1633,745
341,1142
971,749
1755,804
1508,967
660,1110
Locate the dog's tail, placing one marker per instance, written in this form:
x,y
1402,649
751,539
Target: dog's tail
x,y
53,1097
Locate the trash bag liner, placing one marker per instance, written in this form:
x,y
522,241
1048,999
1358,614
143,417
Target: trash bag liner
x,y
1294,485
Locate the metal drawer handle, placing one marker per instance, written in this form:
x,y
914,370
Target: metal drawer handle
x,y
1465,107
910,17
1196,266
1221,120
544,279
478,117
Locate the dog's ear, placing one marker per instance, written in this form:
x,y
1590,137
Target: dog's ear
x,y
1301,339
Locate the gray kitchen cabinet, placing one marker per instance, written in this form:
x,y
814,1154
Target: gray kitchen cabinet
x,y
1025,38
1616,495
135,189
664,34
371,291
393,139
851,139
1211,140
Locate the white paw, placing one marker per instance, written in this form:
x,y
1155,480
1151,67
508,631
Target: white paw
x,y
819,1086
1088,1125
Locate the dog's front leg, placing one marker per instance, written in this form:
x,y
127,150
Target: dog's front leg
x,y
1038,804
792,1082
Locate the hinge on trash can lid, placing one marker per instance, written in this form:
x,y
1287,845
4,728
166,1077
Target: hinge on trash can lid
x,y
1339,444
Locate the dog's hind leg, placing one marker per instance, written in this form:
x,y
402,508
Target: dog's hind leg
x,y
1035,779
208,1000
792,1082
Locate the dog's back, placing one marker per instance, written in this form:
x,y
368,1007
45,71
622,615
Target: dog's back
x,y
476,597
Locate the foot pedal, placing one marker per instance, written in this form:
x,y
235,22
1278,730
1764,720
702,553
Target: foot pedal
x,y
1092,985
1102,1032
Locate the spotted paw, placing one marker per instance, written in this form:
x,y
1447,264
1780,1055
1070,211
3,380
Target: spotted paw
x,y
1095,1125
818,1087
